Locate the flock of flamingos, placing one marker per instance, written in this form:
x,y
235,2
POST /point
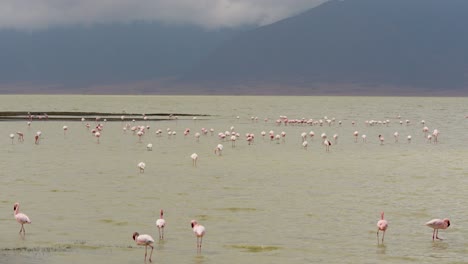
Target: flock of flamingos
x,y
232,136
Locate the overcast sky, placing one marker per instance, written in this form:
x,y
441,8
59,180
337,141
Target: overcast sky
x,y
211,14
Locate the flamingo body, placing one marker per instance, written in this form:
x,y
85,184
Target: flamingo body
x,y
144,240
161,223
21,218
382,225
437,224
199,232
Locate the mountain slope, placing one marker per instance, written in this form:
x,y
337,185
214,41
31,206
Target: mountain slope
x,y
384,45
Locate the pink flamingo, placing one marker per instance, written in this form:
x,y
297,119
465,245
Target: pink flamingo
x,y
21,218
382,225
144,240
437,224
199,231
161,223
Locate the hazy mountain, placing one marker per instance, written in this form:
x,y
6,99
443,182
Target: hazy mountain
x,y
79,56
395,47
385,46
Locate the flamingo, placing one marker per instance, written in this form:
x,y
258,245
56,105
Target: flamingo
x,y
364,138
356,134
437,224
199,231
219,149
97,134
20,136
65,128
382,225
12,136
304,144
144,240
149,147
395,135
160,223
142,166
409,138
327,144
194,157
381,138
335,137
21,218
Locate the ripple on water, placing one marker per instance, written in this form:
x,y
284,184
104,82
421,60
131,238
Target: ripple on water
x,y
110,221
254,248
60,248
237,209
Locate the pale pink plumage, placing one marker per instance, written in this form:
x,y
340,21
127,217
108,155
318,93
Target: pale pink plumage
x,y
144,240
161,223
199,232
437,224
21,218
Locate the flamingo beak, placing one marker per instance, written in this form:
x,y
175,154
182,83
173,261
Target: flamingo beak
x,y
448,223
191,225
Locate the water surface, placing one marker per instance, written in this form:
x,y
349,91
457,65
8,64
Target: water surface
x,y
263,203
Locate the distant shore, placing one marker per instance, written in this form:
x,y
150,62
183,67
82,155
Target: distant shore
x,y
90,116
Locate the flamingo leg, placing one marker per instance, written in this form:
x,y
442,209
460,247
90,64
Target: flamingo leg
x,y
383,235
378,241
162,233
151,254
433,234
437,234
146,251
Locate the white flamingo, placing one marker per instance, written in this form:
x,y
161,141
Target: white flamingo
x,y
141,166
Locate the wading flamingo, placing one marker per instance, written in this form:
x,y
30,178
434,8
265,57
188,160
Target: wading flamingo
x,y
21,218
194,157
382,225
437,224
161,223
141,166
144,240
219,149
199,231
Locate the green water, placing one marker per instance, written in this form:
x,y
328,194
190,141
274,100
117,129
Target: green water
x,y
267,202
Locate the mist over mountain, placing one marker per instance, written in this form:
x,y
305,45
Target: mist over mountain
x,y
365,46
345,47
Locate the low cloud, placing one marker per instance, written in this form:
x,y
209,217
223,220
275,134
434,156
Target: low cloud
x,y
211,14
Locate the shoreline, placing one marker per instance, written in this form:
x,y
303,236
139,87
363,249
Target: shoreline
x,y
93,116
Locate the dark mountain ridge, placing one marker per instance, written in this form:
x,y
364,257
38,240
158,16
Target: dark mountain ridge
x,y
382,45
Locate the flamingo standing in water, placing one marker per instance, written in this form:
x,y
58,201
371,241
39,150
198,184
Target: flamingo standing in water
x,y
149,147
141,166
21,218
20,136
437,224
219,149
199,231
12,136
327,144
161,223
194,157
144,240
382,225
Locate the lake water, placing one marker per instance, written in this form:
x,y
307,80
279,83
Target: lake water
x,y
262,203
